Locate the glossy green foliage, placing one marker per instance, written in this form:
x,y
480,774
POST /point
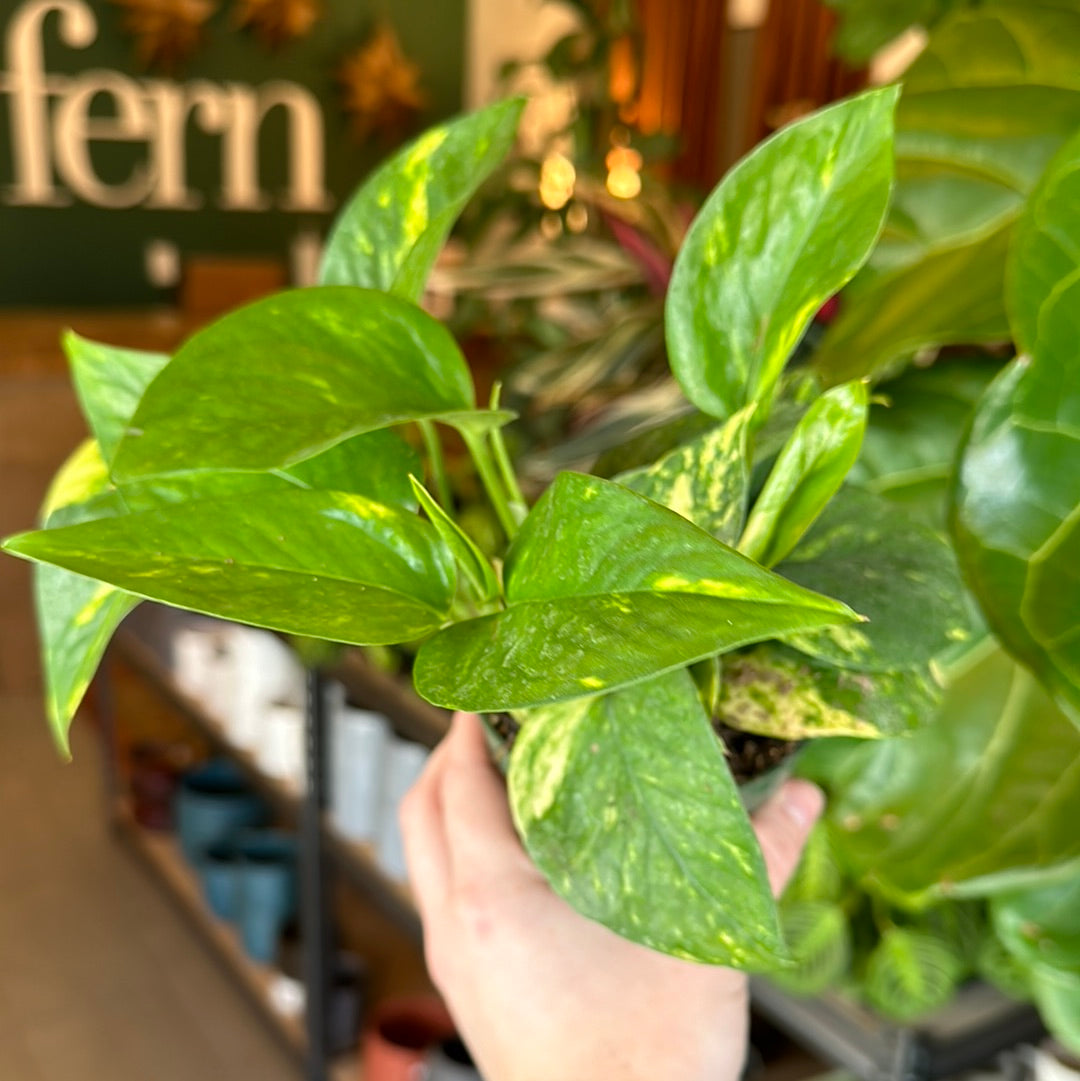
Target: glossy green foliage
x,y
819,941
476,573
984,109
705,480
109,382
606,588
985,798
810,468
785,230
1016,505
1041,926
1046,244
322,564
392,230
778,692
900,574
914,432
329,364
626,804
911,973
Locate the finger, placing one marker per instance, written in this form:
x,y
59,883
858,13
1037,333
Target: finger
x,y
782,826
424,835
480,831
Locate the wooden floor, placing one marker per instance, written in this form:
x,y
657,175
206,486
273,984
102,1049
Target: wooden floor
x,y
100,978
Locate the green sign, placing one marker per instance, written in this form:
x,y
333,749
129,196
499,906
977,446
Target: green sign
x,y
235,147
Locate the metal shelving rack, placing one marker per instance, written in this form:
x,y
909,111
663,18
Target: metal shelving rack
x,y
324,854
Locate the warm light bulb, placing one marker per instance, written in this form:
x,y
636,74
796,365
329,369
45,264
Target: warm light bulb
x,y
577,218
624,182
557,178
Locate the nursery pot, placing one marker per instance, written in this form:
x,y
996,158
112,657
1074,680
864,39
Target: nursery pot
x,y
267,889
211,802
402,1038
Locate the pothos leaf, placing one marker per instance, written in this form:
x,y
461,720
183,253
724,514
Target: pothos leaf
x,y
638,824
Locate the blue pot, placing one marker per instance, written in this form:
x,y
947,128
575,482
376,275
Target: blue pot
x,y
219,868
267,889
212,802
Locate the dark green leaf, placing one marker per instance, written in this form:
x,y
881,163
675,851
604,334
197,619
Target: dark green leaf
x,y
626,804
911,973
777,692
606,588
818,876
808,471
867,26
390,234
704,480
984,799
478,572
327,364
785,230
899,573
323,564
1046,244
109,382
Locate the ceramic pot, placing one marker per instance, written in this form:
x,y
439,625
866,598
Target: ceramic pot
x,y
219,869
212,802
359,745
402,1037
280,748
267,889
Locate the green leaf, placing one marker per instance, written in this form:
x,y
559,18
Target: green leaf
x,y
782,233
773,691
1041,926
76,616
912,439
392,230
819,942
606,588
1057,994
328,363
626,804
952,296
324,564
1015,514
900,574
810,468
478,572
705,480
867,26
109,382
1046,244
985,107
984,799
911,973
818,876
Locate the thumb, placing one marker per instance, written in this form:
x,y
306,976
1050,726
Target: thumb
x,y
782,826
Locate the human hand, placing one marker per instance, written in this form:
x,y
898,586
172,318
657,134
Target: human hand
x,y
539,992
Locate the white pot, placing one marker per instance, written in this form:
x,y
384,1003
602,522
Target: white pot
x,y
405,763
359,740
265,671
279,751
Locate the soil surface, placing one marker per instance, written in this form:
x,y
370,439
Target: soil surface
x,y
748,756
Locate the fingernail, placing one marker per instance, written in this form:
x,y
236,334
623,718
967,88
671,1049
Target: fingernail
x,y
803,802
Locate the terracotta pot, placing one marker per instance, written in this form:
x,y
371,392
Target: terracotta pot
x,y
403,1034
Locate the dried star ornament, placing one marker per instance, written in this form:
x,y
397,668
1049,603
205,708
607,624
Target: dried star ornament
x,y
276,22
381,85
166,32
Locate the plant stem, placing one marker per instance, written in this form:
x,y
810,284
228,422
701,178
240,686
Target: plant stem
x,y
438,465
489,475
506,470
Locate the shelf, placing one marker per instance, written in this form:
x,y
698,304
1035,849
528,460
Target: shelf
x,y
162,854
356,862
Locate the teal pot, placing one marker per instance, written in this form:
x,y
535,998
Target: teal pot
x,y
267,890
211,803
219,869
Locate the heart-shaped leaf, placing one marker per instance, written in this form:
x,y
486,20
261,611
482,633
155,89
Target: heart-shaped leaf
x,y
606,588
785,229
392,230
322,564
901,574
626,804
808,471
705,480
328,363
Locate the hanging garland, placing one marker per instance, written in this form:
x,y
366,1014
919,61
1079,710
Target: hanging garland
x,y
276,22
166,32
